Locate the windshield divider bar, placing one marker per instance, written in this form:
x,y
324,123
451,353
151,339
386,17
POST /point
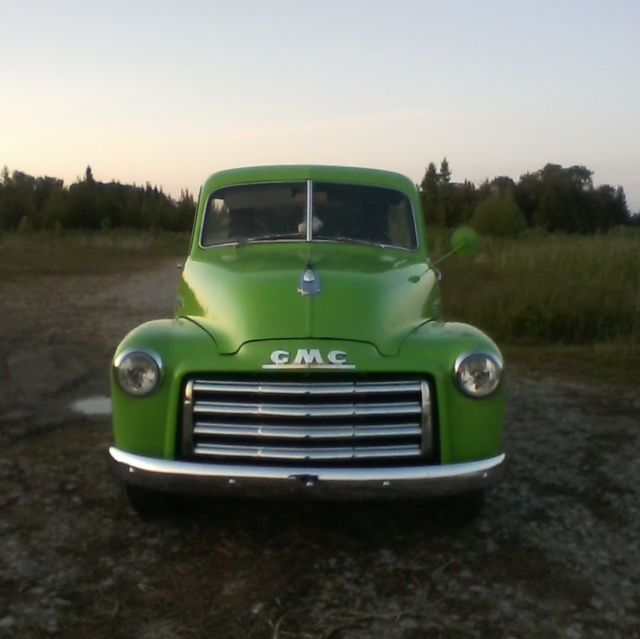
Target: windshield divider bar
x,y
309,210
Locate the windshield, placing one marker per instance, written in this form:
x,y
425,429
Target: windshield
x,y
340,213
370,214
256,212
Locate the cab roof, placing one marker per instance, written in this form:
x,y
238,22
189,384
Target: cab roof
x,y
303,172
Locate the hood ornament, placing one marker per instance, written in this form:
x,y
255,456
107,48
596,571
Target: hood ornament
x,y
309,282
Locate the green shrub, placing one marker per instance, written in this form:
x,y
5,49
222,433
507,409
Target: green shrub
x,y
26,225
499,215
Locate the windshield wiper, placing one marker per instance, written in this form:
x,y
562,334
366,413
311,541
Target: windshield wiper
x,y
270,237
353,240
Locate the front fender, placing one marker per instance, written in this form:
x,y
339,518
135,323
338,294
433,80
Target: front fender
x,y
469,429
147,425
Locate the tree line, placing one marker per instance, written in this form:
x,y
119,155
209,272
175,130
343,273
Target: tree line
x,y
44,203
555,198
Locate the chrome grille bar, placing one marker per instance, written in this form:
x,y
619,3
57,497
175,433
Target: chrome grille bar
x,y
295,388
306,432
307,452
426,421
187,417
306,410
332,421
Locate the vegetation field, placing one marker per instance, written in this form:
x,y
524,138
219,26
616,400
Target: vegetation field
x,y
557,288
566,302
75,252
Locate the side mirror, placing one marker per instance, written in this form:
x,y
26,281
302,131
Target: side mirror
x,y
464,241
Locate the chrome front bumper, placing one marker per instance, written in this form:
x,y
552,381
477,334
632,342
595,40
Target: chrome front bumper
x,y
285,481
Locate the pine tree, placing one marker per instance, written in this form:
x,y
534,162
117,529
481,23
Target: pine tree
x,y
429,192
445,172
443,210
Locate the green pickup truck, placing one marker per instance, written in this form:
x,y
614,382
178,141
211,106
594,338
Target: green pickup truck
x,y
307,355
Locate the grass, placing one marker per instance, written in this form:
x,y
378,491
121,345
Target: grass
x,y
558,304
47,253
548,288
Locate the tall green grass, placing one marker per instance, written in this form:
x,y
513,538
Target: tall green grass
x,y
554,288
82,252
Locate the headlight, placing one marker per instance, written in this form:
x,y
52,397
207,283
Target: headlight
x,y
478,374
137,372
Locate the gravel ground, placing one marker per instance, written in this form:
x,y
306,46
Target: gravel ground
x,y
554,553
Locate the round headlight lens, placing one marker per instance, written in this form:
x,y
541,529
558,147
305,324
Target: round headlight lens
x,y
137,372
478,374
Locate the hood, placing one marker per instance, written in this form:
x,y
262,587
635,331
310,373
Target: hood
x,y
250,292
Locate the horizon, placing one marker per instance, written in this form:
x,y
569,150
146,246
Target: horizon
x,y
168,95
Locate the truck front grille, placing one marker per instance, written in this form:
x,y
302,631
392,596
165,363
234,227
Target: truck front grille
x,y
311,422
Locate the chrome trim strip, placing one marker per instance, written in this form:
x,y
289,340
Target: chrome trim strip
x,y
274,432
426,419
274,452
301,388
309,210
306,367
222,429
306,410
386,452
307,452
388,430
245,480
187,419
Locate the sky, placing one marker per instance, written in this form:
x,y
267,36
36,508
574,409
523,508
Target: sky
x,y
170,92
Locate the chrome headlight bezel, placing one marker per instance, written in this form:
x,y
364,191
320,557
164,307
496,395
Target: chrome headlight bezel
x,y
154,361
458,369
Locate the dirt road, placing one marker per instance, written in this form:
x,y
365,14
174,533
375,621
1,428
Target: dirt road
x,y
555,553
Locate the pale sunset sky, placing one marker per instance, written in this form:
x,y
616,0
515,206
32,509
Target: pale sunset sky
x,y
170,92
